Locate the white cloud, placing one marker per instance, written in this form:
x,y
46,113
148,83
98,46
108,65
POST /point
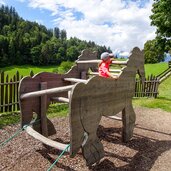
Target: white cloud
x,y
111,23
2,2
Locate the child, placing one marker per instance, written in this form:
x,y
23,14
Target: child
x,y
104,65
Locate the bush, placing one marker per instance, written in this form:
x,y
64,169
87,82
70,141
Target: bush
x,y
64,67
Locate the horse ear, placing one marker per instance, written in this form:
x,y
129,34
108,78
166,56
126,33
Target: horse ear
x,y
136,50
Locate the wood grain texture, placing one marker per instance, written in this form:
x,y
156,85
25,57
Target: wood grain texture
x,y
89,100
103,97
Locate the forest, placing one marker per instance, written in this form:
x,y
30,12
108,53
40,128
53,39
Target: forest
x,y
24,42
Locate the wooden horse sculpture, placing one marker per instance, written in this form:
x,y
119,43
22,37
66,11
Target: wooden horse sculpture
x,y
88,100
103,97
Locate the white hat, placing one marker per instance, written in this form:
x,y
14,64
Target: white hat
x,y
105,55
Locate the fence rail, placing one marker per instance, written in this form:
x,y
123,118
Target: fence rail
x,y
147,89
9,90
169,64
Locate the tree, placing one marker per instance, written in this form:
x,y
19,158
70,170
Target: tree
x,y
63,35
152,52
161,17
35,54
72,53
56,32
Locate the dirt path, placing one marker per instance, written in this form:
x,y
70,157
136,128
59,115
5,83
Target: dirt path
x,y
149,149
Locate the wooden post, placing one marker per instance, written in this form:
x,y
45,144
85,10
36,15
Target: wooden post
x,y
43,106
83,75
2,92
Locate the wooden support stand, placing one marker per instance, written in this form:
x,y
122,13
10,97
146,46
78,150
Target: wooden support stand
x,y
43,109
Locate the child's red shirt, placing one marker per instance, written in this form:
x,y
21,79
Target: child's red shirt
x,y
103,69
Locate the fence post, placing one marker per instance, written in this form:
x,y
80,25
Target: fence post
x,y
169,63
2,92
31,73
10,95
6,94
18,79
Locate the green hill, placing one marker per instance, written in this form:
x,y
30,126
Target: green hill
x,y
23,42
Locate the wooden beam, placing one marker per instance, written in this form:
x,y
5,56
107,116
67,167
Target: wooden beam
x,y
115,70
114,117
47,91
120,62
43,99
45,140
89,61
75,80
96,73
93,73
60,99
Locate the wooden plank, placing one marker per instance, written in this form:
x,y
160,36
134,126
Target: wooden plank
x,y
10,96
60,99
98,61
48,91
120,62
115,118
89,61
43,106
9,104
96,73
44,140
115,70
75,80
2,91
14,94
18,79
6,95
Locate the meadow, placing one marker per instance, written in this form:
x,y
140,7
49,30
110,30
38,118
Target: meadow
x,y
163,101
25,70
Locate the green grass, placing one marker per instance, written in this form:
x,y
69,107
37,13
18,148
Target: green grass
x,y
54,110
9,118
155,69
163,101
57,110
26,69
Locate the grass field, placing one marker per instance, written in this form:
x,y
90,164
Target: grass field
x,y
26,69
163,101
155,69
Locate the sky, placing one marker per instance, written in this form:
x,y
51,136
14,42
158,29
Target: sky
x,y
118,24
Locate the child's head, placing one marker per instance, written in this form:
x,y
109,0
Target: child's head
x,y
105,56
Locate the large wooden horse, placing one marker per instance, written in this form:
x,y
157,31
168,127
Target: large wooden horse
x,y
103,97
88,100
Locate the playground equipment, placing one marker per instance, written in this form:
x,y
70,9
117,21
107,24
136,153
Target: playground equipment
x,y
89,99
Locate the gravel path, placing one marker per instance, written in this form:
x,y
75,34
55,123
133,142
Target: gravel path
x,y
149,149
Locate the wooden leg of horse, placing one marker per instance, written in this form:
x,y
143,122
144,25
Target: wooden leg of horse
x,y
128,119
93,150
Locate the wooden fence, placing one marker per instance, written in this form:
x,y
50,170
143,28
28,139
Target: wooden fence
x,y
9,90
169,64
148,89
